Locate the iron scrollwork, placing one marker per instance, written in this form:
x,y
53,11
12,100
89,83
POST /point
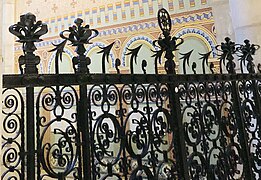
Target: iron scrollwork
x,y
58,137
13,135
192,126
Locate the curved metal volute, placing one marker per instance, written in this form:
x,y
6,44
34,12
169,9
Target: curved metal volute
x,y
79,34
117,65
144,65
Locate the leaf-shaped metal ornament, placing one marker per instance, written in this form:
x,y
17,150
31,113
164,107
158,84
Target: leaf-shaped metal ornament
x,y
205,58
105,56
134,54
59,48
185,57
157,56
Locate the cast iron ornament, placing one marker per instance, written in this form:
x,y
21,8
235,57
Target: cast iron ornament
x,y
78,35
164,20
166,43
29,31
246,52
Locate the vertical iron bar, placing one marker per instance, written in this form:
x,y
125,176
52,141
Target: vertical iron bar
x,y
148,111
85,131
170,44
93,167
242,133
78,144
257,101
124,156
26,31
30,133
223,145
179,139
22,140
38,146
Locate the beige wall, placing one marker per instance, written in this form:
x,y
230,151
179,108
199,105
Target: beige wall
x,y
8,10
7,14
126,20
223,20
246,19
238,19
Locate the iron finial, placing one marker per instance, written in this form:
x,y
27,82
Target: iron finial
x,y
227,49
79,35
166,43
245,54
29,31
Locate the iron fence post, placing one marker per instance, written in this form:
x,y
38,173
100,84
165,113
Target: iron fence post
x,y
176,115
247,50
241,131
80,35
83,114
85,131
228,49
179,139
30,133
29,31
168,45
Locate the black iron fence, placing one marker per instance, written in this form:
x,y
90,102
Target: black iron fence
x,y
131,126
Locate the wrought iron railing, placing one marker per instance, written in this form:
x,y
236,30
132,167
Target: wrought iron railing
x,y
131,126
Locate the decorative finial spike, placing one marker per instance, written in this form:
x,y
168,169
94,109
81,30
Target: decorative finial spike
x,y
186,57
205,58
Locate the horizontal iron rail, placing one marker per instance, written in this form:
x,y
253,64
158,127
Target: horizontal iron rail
x,y
38,80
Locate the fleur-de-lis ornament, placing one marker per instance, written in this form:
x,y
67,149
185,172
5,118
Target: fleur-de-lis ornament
x,y
246,53
79,35
29,31
227,49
